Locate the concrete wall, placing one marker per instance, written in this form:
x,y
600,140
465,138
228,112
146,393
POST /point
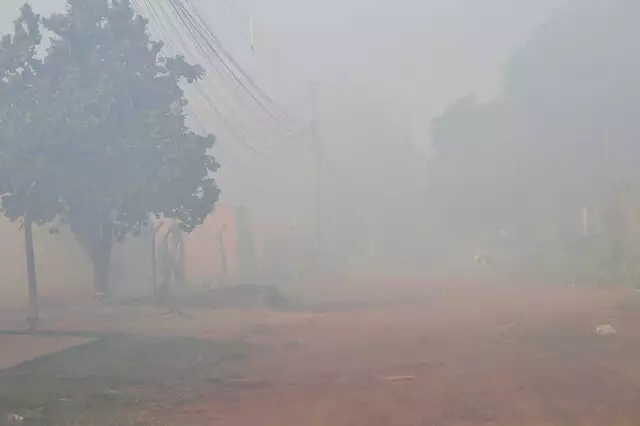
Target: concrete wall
x,y
203,261
63,269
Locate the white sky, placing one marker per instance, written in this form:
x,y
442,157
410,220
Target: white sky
x,y
423,53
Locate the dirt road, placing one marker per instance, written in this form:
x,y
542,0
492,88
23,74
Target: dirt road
x,y
402,353
461,356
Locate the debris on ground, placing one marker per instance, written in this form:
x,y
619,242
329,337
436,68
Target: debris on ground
x,y
14,419
506,327
400,378
606,330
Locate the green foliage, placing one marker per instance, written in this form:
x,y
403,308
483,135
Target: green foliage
x,y
27,182
563,132
95,132
121,113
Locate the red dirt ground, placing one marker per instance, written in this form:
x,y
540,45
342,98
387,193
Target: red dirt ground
x,y
438,355
470,355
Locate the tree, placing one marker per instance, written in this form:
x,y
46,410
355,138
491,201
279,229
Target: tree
x,y
577,82
123,152
26,181
566,121
477,171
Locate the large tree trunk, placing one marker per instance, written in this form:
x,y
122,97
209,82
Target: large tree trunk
x,y
101,258
34,313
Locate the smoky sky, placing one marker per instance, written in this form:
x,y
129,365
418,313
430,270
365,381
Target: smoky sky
x,y
406,60
436,47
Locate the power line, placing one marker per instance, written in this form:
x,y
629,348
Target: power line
x,y
209,94
193,19
243,108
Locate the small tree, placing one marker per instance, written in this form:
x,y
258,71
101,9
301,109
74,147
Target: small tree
x,y
124,152
27,183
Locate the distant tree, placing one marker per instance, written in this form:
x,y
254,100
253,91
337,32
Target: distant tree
x,y
576,82
477,171
27,182
123,150
563,133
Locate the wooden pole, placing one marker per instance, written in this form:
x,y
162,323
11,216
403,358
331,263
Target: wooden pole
x,y
317,145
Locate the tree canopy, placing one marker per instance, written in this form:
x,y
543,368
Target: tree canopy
x,y
26,178
113,144
562,130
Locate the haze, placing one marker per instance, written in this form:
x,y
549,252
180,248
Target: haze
x,y
357,212
406,60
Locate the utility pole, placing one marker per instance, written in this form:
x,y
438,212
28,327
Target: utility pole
x,y
317,149
252,45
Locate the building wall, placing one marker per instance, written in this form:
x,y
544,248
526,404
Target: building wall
x,y
203,259
64,270
203,254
